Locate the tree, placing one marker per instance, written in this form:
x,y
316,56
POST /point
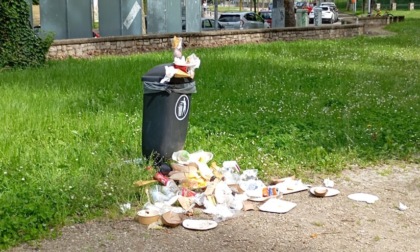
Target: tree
x,y
19,45
290,20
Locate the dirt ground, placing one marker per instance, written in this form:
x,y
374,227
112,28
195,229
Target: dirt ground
x,y
316,224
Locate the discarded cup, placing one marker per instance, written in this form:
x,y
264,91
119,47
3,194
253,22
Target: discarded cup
x,y
161,178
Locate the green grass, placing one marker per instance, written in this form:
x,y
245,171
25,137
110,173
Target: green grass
x,y
283,108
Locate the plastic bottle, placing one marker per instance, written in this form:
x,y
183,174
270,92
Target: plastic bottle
x,y
167,182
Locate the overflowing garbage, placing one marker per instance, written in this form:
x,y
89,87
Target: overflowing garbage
x,y
191,181
188,184
192,190
182,66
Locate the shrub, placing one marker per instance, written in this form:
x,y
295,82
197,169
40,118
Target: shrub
x,y
20,47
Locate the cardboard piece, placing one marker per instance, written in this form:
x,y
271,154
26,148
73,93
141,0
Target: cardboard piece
x,y
248,206
277,206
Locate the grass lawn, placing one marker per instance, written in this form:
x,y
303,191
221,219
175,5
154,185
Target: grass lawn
x,y
70,129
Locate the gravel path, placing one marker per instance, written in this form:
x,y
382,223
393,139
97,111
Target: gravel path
x,y
315,224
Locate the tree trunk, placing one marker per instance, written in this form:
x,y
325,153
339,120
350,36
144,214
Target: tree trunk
x,y
290,20
143,17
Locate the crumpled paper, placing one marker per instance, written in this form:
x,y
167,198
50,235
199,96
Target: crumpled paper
x,y
191,63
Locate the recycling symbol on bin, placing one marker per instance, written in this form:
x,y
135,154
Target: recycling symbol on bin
x,y
182,106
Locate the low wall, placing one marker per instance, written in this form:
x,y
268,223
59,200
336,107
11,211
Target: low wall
x,y
372,21
125,45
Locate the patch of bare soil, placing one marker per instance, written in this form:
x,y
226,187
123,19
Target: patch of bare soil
x,y
316,224
377,31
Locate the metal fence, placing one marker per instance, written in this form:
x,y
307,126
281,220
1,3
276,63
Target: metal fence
x,y
69,19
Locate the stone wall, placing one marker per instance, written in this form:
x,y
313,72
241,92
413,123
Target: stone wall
x,y
125,45
372,21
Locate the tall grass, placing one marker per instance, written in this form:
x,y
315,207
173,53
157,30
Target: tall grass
x,y
71,130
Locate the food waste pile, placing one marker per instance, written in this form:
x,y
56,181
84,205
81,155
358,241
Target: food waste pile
x,y
191,184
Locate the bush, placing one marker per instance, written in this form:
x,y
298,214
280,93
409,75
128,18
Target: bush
x,y
19,46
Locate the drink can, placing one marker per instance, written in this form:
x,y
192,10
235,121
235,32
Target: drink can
x,y
161,178
265,192
275,191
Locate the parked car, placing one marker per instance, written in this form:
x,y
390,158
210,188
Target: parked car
x,y
242,20
327,14
300,5
334,8
207,24
266,15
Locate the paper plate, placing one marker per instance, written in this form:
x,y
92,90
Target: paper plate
x,y
277,206
199,224
260,199
330,192
369,198
294,189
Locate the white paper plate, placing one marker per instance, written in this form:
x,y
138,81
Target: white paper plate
x,y
199,224
330,192
369,198
261,199
258,199
294,189
277,206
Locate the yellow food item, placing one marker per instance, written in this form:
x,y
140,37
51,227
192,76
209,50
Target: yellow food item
x,y
177,43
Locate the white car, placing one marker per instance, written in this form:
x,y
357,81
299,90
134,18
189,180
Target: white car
x,y
334,8
328,14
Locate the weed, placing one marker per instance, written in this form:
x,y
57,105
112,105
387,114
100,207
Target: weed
x,y
385,172
318,224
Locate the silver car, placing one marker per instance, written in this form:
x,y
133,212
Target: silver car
x,y
241,20
207,24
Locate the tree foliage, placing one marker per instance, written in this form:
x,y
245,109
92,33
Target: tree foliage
x,y
20,47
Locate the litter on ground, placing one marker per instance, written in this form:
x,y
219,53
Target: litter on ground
x,y
192,182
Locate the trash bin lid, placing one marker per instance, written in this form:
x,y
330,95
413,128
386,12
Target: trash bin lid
x,y
157,73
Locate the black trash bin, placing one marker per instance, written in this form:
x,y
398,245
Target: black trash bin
x,y
166,108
